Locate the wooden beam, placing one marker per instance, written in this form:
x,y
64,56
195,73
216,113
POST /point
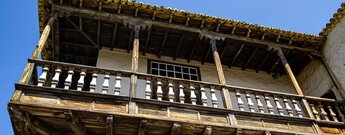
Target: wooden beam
x,y
224,50
123,18
142,127
289,71
82,32
135,60
176,128
274,66
38,126
177,52
250,58
236,55
196,41
147,41
74,123
207,130
163,44
113,39
109,125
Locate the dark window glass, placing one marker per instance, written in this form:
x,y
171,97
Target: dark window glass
x,y
171,70
193,71
178,69
185,70
154,65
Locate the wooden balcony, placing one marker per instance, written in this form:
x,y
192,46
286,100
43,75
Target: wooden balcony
x,y
64,98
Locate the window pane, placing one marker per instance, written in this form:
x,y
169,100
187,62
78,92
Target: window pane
x,y
154,65
185,70
170,67
193,71
162,73
162,66
177,68
193,77
185,76
171,74
178,75
155,72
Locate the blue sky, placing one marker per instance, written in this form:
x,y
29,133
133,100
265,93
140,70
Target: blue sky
x,y
19,28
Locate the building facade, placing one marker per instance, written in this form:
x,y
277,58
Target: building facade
x,y
121,67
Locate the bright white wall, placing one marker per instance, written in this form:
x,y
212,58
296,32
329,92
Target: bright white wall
x,y
120,59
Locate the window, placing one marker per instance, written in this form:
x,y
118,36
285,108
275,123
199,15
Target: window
x,y
174,70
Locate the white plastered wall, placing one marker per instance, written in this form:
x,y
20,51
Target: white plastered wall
x,y
334,51
119,59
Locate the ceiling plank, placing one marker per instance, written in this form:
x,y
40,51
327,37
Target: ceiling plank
x,y
196,41
130,41
207,54
263,61
109,125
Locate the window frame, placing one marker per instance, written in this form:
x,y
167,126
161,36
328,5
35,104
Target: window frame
x,y
197,74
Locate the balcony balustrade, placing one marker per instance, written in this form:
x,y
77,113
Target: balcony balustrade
x,y
166,89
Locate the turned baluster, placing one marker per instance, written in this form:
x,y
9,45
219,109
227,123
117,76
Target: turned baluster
x,y
159,89
297,108
287,106
55,79
260,105
213,97
117,84
315,112
192,94
148,90
239,100
203,95
68,80
93,82
268,104
279,106
42,79
181,93
250,102
105,86
323,112
81,80
171,93
341,116
331,112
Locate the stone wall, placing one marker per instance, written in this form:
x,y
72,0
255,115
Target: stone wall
x,y
119,59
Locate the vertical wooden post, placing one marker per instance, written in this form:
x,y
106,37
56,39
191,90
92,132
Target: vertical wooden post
x,y
135,58
294,81
133,84
25,78
220,73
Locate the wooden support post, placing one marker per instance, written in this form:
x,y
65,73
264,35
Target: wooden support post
x,y
25,78
176,128
289,71
135,58
220,73
109,125
142,127
294,81
74,123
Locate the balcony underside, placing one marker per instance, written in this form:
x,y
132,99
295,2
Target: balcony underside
x,y
150,116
